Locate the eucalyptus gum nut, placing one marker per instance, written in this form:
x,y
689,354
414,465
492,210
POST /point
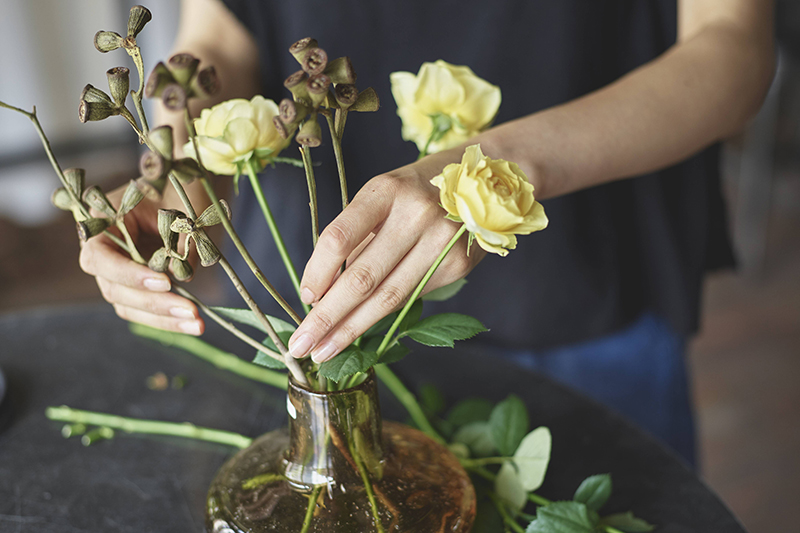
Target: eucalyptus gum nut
x,y
137,18
97,200
182,225
165,219
346,95
62,199
107,41
118,84
76,180
291,112
187,169
174,97
299,48
206,83
314,61
285,131
340,70
158,79
153,166
183,67
152,189
95,111
367,101
207,250
211,217
182,270
310,133
130,199
91,227
161,138
92,94
317,87
296,83
159,262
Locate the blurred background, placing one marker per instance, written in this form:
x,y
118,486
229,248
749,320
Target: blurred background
x,y
745,361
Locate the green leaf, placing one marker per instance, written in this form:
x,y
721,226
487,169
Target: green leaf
x,y
411,318
431,399
478,438
445,293
263,359
445,328
509,424
394,354
594,491
563,517
532,457
350,361
470,410
246,316
508,487
381,326
627,522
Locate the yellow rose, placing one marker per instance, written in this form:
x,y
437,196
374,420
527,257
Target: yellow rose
x,y
447,95
492,197
232,132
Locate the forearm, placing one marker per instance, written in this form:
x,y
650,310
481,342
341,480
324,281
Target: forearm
x,y
701,90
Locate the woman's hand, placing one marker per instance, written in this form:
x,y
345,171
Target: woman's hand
x,y
137,293
390,235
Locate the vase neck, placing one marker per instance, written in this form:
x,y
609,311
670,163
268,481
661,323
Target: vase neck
x,y
333,435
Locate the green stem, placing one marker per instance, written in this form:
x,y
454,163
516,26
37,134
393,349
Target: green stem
x,y
132,250
362,470
485,461
312,503
408,400
312,193
151,427
504,514
252,173
219,358
388,337
136,55
336,140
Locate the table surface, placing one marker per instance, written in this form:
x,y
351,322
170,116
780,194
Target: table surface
x,y
86,358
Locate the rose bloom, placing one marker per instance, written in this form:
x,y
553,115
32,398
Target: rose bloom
x,y
492,197
232,132
440,88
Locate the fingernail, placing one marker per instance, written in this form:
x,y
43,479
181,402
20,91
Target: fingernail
x,y
181,312
156,284
301,346
306,296
192,327
324,352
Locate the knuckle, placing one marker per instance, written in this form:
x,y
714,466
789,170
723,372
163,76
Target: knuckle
x,y
390,297
322,321
347,333
360,280
338,237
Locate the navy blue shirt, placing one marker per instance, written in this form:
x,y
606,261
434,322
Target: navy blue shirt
x,y
610,252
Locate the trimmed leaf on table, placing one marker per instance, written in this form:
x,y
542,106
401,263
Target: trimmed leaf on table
x,y
477,436
532,457
351,360
564,517
445,293
445,328
594,491
470,410
509,424
627,522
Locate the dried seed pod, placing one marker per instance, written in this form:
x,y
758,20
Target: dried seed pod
x,y
207,250
340,70
95,105
285,131
182,225
107,41
159,261
346,95
76,180
314,61
130,199
187,170
62,199
138,17
118,84
317,87
152,189
92,94
182,270
166,217
310,133
97,200
299,49
174,97
292,112
91,227
162,140
367,101
153,166
206,83
296,83
159,78
211,217
183,67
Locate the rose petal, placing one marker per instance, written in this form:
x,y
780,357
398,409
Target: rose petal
x,y
242,135
438,90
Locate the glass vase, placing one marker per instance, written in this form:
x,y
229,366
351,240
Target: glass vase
x,y
339,468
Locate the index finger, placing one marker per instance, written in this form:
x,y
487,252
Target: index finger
x,y
100,257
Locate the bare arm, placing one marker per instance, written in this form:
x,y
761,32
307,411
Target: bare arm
x,y
705,88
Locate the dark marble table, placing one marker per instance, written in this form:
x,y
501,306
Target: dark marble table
x,y
87,359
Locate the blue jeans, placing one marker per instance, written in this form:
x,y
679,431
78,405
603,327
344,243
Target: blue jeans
x,y
639,371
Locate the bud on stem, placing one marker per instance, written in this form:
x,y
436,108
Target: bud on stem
x,y
119,84
299,49
138,17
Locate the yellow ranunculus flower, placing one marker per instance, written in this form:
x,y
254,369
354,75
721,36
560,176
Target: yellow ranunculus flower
x,y
451,94
492,197
232,132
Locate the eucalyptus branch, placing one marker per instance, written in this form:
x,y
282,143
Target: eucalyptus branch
x,y
212,354
312,193
136,54
150,427
252,173
336,140
312,504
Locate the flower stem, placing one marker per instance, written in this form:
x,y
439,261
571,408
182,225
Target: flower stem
x,y
336,139
252,173
362,471
408,400
136,55
504,514
151,427
388,337
312,193
312,504
212,354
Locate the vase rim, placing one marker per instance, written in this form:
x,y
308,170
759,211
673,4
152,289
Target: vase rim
x,y
329,394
